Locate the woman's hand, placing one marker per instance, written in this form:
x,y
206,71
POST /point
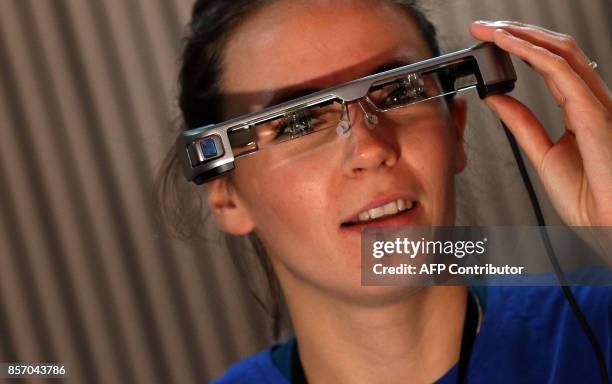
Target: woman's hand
x,y
576,170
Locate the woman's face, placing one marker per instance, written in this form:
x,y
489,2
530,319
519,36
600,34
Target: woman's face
x,y
299,202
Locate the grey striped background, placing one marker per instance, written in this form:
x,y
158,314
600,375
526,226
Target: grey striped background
x,y
87,102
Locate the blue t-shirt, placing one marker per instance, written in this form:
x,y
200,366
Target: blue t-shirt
x,y
528,335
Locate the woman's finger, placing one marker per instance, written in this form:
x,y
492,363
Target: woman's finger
x,y
557,43
524,125
569,89
584,115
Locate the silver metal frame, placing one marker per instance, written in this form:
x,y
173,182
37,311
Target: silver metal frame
x,y
491,66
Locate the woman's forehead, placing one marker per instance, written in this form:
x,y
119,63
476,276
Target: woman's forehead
x,y
316,44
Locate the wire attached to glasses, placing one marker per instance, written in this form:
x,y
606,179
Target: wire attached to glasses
x,y
569,296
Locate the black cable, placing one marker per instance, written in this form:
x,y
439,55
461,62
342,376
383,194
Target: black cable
x,y
569,296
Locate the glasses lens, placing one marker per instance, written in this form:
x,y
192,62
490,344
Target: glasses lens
x,y
400,92
291,125
419,90
298,123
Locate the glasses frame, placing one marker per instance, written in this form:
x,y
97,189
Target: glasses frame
x,y
206,153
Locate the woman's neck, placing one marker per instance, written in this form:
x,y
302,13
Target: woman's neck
x,y
417,338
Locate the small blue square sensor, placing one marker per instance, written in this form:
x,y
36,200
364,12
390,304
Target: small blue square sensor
x,y
209,148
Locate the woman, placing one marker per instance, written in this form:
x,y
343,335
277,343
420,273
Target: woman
x,y
245,55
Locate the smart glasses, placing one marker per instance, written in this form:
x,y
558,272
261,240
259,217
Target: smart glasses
x,y
210,151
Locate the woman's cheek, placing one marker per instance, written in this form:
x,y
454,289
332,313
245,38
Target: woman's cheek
x,y
287,197
292,220
430,151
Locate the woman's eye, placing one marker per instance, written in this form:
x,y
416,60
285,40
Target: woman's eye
x,y
295,125
404,93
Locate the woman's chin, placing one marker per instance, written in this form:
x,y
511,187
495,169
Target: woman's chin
x,y
383,295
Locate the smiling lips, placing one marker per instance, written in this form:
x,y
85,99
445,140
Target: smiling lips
x,y
388,209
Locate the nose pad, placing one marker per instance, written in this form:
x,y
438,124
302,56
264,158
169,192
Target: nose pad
x,y
343,128
370,119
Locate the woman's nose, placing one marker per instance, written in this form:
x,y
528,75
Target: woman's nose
x,y
368,147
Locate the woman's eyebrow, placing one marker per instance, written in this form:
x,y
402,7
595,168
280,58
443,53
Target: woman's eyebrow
x,y
290,94
390,65
294,93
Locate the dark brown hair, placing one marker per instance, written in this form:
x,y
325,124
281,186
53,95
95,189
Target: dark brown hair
x,y
180,204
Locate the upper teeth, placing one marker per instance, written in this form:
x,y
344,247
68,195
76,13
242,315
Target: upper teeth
x,y
385,210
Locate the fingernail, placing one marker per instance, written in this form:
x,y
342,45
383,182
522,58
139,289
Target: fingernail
x,y
483,22
504,32
490,104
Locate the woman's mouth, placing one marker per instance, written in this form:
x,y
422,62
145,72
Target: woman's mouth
x,y
391,213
